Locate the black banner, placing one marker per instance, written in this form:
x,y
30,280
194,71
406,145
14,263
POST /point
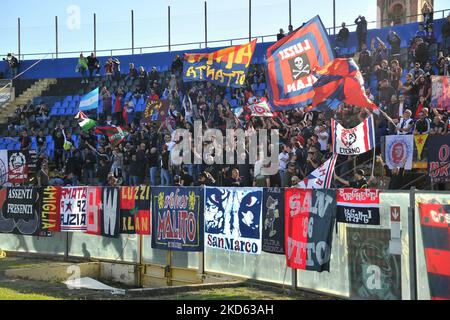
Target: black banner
x,y
358,206
20,212
273,220
439,158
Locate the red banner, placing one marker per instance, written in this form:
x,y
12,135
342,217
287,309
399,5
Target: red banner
x,y
435,223
93,210
309,221
135,210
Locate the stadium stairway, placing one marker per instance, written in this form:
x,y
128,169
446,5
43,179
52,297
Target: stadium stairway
x,y
28,95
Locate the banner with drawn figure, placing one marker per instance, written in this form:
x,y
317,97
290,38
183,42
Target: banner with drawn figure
x,y
273,220
18,166
435,225
226,67
399,148
353,141
374,273
440,92
358,206
155,110
3,167
135,210
439,158
290,65
73,209
50,210
110,218
233,219
177,222
93,210
20,212
309,222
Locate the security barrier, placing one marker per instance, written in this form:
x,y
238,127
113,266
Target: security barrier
x,y
367,262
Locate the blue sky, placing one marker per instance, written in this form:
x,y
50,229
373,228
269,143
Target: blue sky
x,y
226,19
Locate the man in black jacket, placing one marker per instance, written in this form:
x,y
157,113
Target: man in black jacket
x,y
397,175
59,147
93,65
343,36
361,30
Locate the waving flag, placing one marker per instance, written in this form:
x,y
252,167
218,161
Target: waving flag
x,y
340,81
115,134
354,141
226,67
290,62
322,177
261,109
85,123
89,101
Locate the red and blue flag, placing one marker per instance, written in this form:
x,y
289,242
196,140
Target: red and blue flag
x,y
340,82
290,63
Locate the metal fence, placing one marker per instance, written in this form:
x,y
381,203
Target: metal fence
x,y
409,267
170,45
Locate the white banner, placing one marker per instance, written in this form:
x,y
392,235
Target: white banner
x,y
399,148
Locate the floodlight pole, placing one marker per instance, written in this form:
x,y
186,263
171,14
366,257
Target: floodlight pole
x,y
168,12
95,34
132,31
18,35
56,36
206,25
249,20
334,17
290,12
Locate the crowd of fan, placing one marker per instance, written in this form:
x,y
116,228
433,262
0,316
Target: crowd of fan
x,y
144,156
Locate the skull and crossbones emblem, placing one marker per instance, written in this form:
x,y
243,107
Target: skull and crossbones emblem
x,y
302,68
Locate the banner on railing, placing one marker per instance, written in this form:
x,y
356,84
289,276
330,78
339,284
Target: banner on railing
x,y
439,158
13,166
50,208
226,67
177,218
273,220
374,274
309,219
20,212
73,209
233,218
399,151
135,210
435,225
440,92
93,210
358,206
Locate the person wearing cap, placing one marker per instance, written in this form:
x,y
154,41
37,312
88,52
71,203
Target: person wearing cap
x,y
359,182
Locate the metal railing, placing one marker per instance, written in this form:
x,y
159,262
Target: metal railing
x,y
403,18
6,92
198,44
